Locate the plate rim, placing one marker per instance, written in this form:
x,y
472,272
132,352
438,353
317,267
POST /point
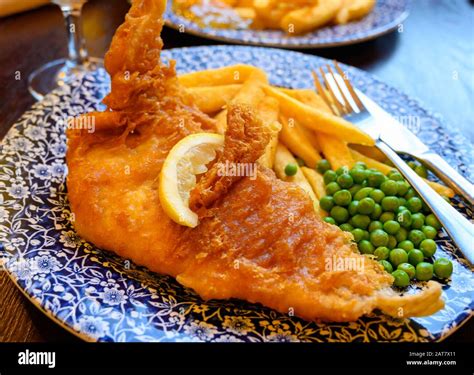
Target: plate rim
x,y
378,32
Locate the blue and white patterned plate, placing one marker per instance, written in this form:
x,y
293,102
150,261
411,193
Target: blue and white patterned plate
x,y
100,296
386,16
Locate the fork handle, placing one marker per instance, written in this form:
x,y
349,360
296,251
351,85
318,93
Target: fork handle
x,y
457,226
447,174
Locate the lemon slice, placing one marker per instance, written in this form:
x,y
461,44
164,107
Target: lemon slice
x,y
186,159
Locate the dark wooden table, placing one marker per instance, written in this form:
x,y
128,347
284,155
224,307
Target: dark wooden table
x,y
432,59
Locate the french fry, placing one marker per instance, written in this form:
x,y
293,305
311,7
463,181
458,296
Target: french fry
x,y
283,157
384,168
211,99
251,91
440,189
221,120
268,110
217,77
244,3
247,13
294,139
371,152
309,97
336,151
353,10
268,158
305,19
317,183
318,120
269,12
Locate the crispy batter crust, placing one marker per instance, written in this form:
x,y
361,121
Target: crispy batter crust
x,y
260,239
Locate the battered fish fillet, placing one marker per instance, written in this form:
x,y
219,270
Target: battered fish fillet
x,y
259,239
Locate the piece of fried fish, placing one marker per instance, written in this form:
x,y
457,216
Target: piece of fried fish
x,y
259,239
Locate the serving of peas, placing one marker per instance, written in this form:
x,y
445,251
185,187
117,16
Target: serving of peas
x,y
386,218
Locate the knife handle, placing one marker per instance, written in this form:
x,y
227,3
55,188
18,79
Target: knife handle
x,y
448,175
457,226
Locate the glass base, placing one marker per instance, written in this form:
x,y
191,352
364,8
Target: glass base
x,y
58,73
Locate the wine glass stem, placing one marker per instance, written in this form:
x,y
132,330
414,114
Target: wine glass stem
x,y
77,52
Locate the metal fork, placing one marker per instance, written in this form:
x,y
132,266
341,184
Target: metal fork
x,y
339,94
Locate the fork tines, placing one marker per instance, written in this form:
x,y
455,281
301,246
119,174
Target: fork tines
x,y
336,90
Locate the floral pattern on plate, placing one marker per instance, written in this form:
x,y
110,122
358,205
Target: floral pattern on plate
x,y
386,16
102,297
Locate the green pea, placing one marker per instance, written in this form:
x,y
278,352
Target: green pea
x,y
366,206
363,193
386,266
377,195
424,271
412,164
406,245
345,180
416,236
414,204
360,221
401,235
340,214
365,247
432,221
382,253
327,203
342,197
360,164
332,188
346,227
358,234
329,176
300,162
392,242
330,220
426,210
421,171
403,187
374,225
398,256
291,169
408,268
386,216
354,189
415,256
409,194
395,176
342,170
323,165
353,208
391,227
390,203
417,220
379,238
358,175
401,209
401,278
375,179
389,187
404,218
366,235
376,212
428,247
402,202
429,232
443,268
